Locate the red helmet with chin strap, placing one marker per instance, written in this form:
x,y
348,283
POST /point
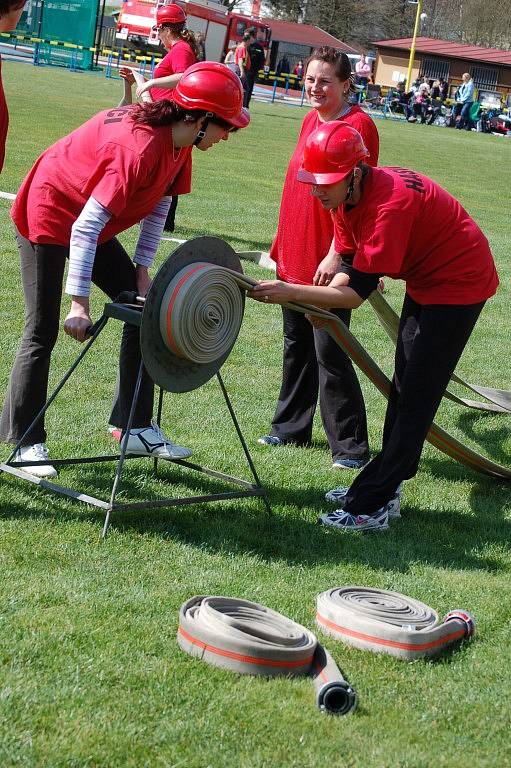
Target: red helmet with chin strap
x,y
214,88
331,152
170,14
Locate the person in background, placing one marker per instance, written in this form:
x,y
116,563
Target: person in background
x,y
257,60
465,97
242,59
200,39
404,225
362,73
305,254
230,61
182,52
298,69
10,12
114,171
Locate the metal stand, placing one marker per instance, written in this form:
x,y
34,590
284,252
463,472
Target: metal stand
x,y
130,314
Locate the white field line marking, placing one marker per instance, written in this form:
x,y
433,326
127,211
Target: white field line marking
x,y
7,196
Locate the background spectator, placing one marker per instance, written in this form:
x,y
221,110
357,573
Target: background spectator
x,y
466,99
257,60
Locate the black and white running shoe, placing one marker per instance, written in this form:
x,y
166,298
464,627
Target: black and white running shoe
x,y
152,441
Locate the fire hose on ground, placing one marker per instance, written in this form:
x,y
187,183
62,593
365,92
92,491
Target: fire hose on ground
x,y
249,638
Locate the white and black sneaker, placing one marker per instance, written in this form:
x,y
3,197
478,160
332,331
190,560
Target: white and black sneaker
x,y
343,521
151,441
36,452
393,507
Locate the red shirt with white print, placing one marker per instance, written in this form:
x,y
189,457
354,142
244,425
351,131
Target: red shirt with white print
x,y
409,228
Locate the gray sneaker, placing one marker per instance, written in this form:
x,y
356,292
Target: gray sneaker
x,y
343,521
393,507
151,441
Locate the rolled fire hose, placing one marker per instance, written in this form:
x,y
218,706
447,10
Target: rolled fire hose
x,y
248,638
388,622
201,314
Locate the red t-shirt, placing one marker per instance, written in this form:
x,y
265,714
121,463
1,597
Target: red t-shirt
x,y
409,228
305,228
125,167
4,120
179,58
242,56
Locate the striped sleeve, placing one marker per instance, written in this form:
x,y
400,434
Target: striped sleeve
x,y
82,247
151,229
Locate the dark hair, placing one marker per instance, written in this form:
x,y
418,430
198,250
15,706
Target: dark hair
x,y
163,112
247,35
6,6
184,34
338,60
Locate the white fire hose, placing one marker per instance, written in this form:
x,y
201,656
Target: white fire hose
x,y
251,639
388,622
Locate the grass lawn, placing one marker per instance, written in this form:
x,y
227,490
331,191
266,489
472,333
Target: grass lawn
x,y
90,673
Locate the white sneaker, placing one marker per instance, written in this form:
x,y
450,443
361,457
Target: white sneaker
x,y
36,452
151,441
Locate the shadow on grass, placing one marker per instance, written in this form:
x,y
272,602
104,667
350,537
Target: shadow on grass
x,y
255,245
441,537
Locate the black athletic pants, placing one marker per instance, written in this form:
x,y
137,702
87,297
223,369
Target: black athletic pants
x,y
42,272
313,362
248,87
430,342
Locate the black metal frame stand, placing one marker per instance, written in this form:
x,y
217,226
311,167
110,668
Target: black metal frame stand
x,y
130,314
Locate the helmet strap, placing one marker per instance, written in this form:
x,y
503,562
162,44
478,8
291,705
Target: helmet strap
x,y
202,132
351,187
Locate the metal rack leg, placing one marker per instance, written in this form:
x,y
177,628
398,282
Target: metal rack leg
x,y
98,328
158,421
124,446
242,441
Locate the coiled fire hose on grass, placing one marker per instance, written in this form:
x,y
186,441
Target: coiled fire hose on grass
x,y
248,638
202,334
388,622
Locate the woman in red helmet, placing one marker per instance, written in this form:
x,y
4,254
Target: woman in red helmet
x,y
116,170
403,225
304,253
10,12
182,52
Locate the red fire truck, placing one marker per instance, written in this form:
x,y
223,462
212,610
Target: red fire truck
x,y
223,29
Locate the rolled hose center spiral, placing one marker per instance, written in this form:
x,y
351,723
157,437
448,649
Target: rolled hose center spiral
x,y
250,638
388,622
201,312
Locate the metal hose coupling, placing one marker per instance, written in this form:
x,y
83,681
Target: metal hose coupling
x,y
388,622
249,638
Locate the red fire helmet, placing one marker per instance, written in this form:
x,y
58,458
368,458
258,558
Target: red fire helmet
x,y
214,88
331,152
170,14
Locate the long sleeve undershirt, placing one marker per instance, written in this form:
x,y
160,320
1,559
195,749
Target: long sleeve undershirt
x,y
85,233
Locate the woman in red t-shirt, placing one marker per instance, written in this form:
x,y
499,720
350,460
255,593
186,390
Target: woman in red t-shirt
x,y
10,12
182,52
405,226
116,170
304,252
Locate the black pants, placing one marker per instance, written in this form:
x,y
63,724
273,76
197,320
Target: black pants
x,y
248,86
313,362
170,221
430,342
42,272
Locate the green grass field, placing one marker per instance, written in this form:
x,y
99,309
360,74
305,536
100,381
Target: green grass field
x,y
90,673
